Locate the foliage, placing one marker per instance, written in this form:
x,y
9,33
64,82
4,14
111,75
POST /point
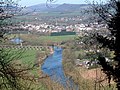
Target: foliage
x,y
110,14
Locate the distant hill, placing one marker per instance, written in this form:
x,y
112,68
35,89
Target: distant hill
x,y
71,7
42,7
58,7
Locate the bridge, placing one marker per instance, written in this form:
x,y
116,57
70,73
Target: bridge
x,y
28,47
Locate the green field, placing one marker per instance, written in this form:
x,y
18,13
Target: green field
x,y
56,38
32,39
47,38
22,56
28,57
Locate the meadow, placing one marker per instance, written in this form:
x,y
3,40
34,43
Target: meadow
x,y
33,39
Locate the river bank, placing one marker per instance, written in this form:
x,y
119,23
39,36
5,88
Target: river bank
x,y
44,78
87,79
52,67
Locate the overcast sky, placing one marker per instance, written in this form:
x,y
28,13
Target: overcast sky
x,y
34,2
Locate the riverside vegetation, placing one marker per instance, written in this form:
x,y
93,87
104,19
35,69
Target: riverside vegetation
x,y
72,51
87,79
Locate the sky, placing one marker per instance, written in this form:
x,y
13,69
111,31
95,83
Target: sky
x,y
34,2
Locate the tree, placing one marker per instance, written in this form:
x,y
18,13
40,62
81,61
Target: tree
x,y
11,74
110,14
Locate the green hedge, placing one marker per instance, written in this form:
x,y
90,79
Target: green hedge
x,y
62,33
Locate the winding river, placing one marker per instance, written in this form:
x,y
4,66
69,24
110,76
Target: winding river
x,y
52,66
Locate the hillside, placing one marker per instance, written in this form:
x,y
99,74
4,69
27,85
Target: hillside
x,y
58,7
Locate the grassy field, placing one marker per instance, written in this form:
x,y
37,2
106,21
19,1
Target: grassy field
x,y
38,40
56,38
28,57
50,14
47,38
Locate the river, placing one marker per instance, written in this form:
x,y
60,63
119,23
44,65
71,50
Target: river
x,y
52,66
